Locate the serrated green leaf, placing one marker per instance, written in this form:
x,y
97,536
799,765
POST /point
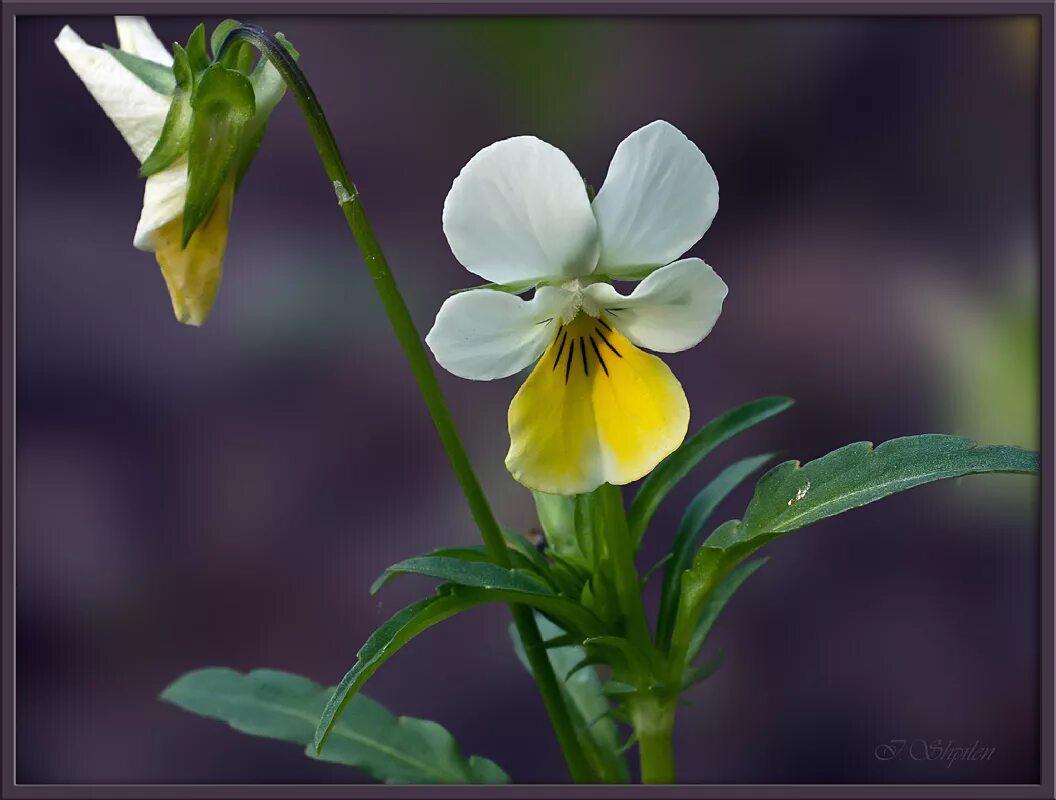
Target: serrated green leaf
x,y
157,76
689,533
223,104
589,708
791,496
692,451
464,572
408,622
280,705
175,136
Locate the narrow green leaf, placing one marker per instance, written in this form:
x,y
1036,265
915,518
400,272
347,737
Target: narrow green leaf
x,y
223,103
695,675
688,537
677,465
280,705
181,69
467,553
465,572
157,76
408,622
588,706
175,136
528,552
717,600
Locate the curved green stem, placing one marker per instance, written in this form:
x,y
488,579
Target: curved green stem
x,y
410,341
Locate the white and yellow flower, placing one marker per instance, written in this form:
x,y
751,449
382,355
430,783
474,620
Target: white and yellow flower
x,y
192,274
595,409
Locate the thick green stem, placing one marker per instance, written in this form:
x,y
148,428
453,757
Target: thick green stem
x,y
625,574
410,341
654,724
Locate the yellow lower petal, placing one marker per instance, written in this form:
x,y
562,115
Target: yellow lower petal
x,y
595,410
193,273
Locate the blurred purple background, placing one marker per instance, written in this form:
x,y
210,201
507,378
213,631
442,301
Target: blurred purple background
x,y
224,496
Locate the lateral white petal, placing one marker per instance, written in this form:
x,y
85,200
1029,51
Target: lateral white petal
x,y
519,211
136,110
135,36
671,310
485,334
659,197
164,196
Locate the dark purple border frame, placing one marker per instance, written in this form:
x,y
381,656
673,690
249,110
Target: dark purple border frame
x,y
1042,9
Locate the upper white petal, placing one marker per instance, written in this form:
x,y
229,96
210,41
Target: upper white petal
x,y
671,310
164,195
136,109
135,36
659,197
518,211
485,334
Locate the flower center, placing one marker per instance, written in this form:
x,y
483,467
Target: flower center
x,y
583,345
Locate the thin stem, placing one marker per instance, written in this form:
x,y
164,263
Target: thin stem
x,y
410,341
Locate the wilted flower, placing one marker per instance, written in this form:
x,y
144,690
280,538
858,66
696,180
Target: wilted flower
x,y
595,408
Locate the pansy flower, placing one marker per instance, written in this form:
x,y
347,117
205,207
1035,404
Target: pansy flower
x,y
138,88
596,408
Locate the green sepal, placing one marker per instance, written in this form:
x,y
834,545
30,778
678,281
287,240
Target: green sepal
x,y
220,33
283,706
223,104
196,53
157,76
175,136
516,287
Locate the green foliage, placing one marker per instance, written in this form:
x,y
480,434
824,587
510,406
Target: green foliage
x,y
470,571
791,496
223,104
417,617
692,451
688,537
587,704
716,601
175,135
280,705
157,76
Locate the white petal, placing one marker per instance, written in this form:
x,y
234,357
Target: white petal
x,y
671,310
136,109
163,198
135,36
659,197
518,211
486,334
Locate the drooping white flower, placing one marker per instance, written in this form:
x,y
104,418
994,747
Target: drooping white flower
x,y
138,111
595,409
